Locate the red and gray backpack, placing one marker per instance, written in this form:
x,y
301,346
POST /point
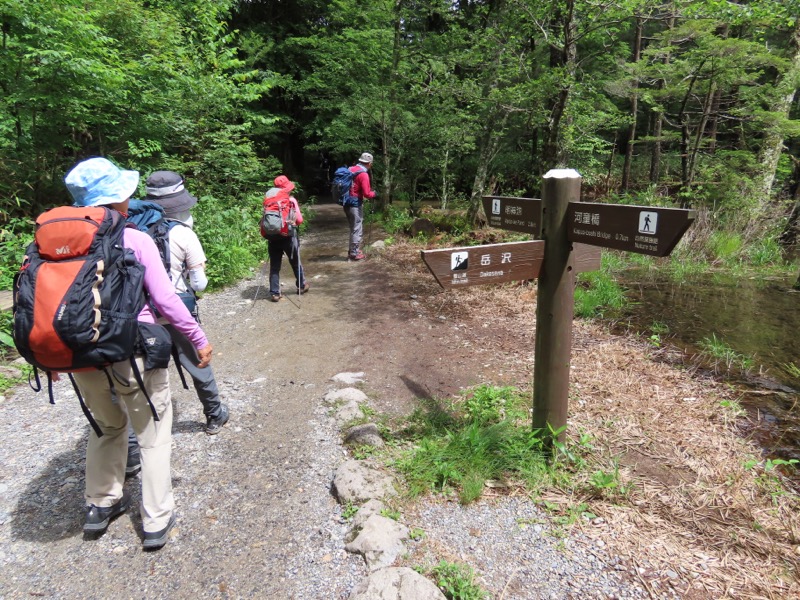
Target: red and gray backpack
x,y
78,294
278,217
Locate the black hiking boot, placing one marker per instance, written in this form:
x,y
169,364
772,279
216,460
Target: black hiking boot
x,y
214,424
98,518
153,540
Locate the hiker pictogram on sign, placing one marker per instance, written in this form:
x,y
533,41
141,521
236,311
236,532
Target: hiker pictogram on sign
x,y
459,261
647,222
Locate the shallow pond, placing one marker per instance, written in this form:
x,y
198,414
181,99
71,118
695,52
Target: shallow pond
x,y
756,321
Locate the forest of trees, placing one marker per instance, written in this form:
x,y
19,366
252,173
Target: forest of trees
x,y
686,103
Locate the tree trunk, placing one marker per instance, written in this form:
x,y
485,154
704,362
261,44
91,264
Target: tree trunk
x,y
658,121
492,134
445,194
390,156
701,128
494,125
772,146
637,53
655,152
553,150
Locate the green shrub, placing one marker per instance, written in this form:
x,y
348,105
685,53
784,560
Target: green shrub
x,y
395,220
596,293
457,582
230,236
15,236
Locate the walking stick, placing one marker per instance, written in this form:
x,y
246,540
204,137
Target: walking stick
x,y
300,274
260,282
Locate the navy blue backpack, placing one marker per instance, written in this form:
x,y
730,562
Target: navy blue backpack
x,y
342,182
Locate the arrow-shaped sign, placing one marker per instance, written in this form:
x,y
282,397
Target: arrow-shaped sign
x,y
492,263
643,229
514,214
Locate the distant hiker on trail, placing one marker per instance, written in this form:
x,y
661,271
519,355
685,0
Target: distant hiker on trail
x,y
98,182
354,208
187,261
282,217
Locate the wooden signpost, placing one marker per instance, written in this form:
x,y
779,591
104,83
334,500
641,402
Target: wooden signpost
x,y
572,233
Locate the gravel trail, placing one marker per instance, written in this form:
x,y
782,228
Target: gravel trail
x,y
255,516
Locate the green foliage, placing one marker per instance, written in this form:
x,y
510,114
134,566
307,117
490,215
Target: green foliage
x,y
6,337
91,78
597,292
457,581
607,483
230,236
792,369
764,252
483,438
15,236
725,246
488,404
722,357
391,513
773,470
395,220
349,511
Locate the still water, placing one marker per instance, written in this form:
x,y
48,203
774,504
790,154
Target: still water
x,y
756,318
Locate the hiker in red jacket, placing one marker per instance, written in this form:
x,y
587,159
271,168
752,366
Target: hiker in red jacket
x,y
361,191
287,242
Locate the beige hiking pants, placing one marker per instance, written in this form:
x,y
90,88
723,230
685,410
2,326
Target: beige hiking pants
x,y
106,456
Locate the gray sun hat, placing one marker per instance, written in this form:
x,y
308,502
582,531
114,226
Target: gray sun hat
x,y
366,158
166,188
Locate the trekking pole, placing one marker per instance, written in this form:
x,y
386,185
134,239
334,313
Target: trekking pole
x,y
370,214
300,273
260,282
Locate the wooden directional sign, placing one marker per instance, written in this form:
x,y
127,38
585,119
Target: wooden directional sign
x,y
514,214
493,263
643,229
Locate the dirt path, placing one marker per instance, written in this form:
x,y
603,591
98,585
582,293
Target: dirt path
x,y
255,515
256,518
254,508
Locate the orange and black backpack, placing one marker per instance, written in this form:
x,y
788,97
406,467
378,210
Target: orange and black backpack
x,y
78,293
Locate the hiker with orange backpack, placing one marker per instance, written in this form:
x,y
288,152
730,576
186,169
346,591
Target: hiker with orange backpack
x,y
279,225
144,391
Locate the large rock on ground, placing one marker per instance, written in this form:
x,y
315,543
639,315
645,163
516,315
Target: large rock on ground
x,y
345,395
351,411
356,482
364,435
396,583
380,542
349,378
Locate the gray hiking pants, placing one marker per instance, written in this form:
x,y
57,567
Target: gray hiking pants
x,y
205,384
355,218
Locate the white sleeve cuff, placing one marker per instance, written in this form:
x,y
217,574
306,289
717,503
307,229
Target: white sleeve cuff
x,y
198,279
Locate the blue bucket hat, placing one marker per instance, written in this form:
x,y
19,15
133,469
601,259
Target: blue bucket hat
x,y
98,181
